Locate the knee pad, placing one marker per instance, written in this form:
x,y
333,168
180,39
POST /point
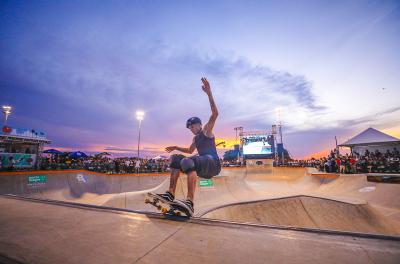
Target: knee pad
x,y
187,165
176,161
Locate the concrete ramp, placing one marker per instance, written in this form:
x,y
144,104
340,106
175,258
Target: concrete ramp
x,y
310,212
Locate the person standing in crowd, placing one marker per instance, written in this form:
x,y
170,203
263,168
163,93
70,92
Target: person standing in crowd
x,y
342,165
396,153
137,165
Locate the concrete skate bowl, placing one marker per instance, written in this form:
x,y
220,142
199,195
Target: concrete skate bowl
x,y
309,212
233,187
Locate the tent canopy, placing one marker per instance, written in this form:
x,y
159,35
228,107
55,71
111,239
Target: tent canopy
x,y
370,137
77,154
52,151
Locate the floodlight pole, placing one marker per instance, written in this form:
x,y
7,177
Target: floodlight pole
x,y
138,146
139,116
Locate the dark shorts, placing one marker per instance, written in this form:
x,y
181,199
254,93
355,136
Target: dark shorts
x,y
206,166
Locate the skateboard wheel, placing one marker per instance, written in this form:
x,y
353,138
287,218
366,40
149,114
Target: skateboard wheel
x,y
164,210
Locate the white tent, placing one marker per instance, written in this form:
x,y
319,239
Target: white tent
x,y
372,140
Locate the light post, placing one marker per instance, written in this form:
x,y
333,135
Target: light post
x,y
139,116
6,111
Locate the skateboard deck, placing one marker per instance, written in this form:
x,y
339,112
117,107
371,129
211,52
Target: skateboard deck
x,y
167,208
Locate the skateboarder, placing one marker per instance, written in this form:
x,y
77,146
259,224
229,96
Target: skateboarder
x,y
205,165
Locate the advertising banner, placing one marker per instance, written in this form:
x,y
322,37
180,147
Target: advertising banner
x,y
17,160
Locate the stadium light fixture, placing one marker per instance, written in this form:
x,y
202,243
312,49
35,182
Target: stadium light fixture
x,y
7,111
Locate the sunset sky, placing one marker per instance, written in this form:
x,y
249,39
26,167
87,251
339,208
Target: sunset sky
x,y
79,70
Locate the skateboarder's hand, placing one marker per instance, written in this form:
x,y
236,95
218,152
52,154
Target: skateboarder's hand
x,y
170,148
206,85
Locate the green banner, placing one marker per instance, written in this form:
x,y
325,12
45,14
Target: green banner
x,y
37,179
17,160
206,183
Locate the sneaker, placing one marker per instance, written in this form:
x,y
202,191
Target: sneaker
x,y
187,205
169,197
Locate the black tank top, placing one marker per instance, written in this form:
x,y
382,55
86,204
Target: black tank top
x,y
205,145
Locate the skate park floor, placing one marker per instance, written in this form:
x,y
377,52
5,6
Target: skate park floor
x,y
254,214
35,232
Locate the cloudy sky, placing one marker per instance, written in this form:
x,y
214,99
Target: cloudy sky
x,y
80,69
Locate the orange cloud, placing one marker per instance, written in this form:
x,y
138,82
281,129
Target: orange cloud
x,y
318,155
393,131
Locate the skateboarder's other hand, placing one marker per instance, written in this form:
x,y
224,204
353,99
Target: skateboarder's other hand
x,y
206,85
170,148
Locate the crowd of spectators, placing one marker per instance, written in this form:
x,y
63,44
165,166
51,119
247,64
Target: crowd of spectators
x,y
115,165
375,161
106,164
295,163
370,161
109,165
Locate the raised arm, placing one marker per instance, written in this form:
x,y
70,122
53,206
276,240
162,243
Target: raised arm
x,y
208,128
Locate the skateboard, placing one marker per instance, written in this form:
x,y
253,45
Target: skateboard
x,y
167,208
